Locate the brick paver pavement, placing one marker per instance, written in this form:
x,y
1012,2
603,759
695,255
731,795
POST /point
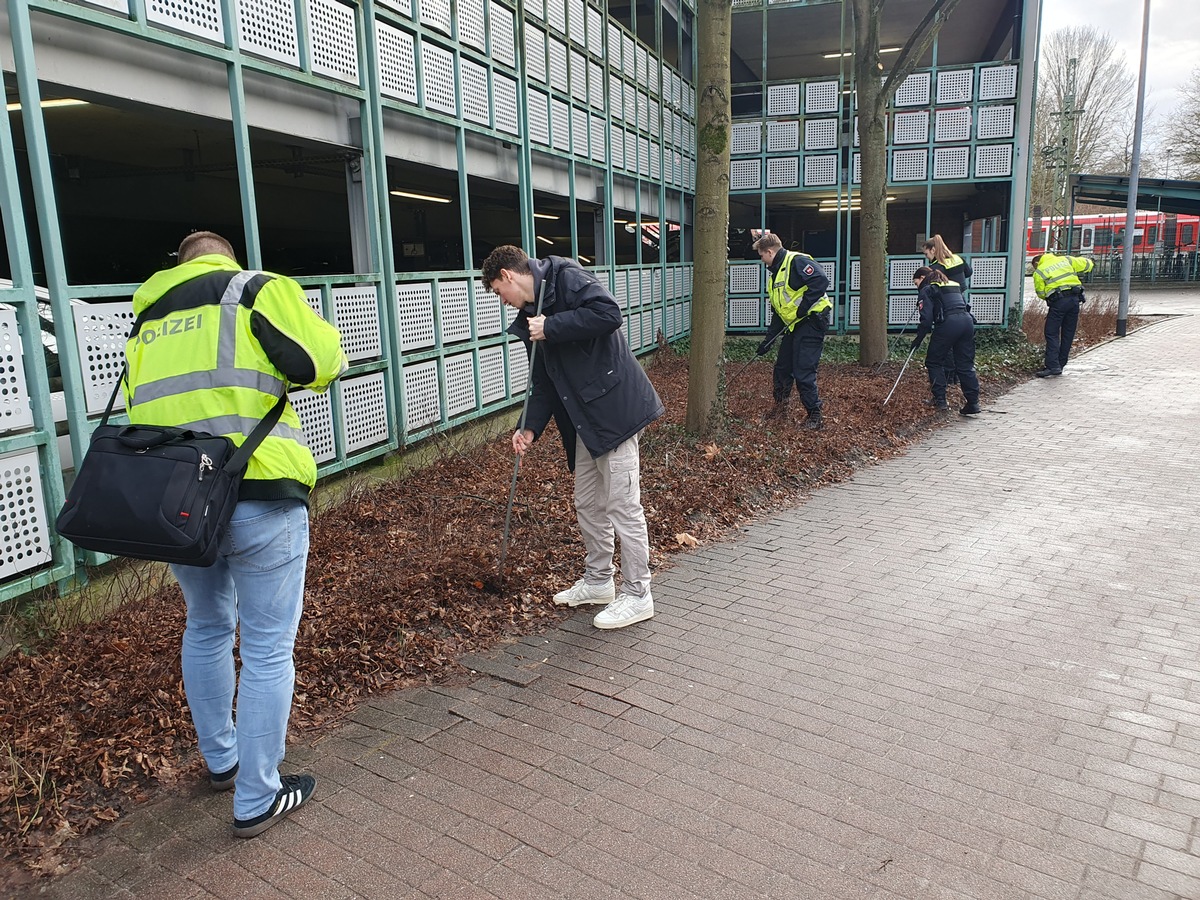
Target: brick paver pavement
x,y
970,672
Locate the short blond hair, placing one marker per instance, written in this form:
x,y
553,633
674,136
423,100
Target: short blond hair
x,y
767,242
202,243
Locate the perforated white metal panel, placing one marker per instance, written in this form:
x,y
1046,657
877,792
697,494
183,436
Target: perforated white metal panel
x,y
560,124
397,62
821,97
491,374
783,100
518,368
268,28
422,405
616,97
454,310
24,528
559,74
745,312
356,314
856,169
821,134
556,15
435,14
852,308
652,73
121,6
364,411
502,29
333,44
783,171
747,137
912,127
536,8
620,289
909,165
952,124
15,411
782,137
643,66
855,271
998,83
504,103
470,23
579,131
614,45
988,308
437,69
199,17
630,103
951,162
579,86
955,86
486,311
820,170
460,384
629,55
618,148
415,301
914,91
643,107
316,421
902,308
745,278
595,31
596,81
100,332
745,174
644,156
993,161
474,80
900,272
996,122
539,118
535,53
599,129
988,271
404,7
576,23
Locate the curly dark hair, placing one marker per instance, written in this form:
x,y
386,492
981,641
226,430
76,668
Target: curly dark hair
x,y
506,256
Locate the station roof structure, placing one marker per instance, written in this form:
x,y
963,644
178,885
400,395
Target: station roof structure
x,y
1152,193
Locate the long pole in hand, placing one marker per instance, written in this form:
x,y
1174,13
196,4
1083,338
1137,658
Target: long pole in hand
x,y
901,375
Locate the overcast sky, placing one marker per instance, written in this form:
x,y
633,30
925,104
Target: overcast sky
x,y
1174,48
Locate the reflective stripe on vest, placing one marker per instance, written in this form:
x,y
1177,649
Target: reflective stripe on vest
x,y
1060,270
785,301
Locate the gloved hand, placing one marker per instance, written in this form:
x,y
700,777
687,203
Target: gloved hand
x,y
917,341
764,346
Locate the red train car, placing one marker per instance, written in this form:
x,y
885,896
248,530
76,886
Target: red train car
x,y
1103,234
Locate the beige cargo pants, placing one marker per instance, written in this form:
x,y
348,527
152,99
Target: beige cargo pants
x,y
608,503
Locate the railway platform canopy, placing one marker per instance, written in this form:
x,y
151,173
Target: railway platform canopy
x,y
1161,194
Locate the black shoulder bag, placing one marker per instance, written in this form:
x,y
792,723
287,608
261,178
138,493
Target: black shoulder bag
x,y
152,492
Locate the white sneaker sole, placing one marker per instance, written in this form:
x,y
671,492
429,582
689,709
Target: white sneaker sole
x,y
598,600
632,620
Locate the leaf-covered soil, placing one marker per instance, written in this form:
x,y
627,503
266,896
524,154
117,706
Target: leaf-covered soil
x,y
402,581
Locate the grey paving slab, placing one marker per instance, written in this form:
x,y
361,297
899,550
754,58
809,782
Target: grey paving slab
x,y
970,672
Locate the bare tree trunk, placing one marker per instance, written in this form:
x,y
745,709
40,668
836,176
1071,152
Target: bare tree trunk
x,y
713,24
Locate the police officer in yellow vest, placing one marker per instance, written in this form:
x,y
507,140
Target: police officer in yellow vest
x,y
800,310
216,348
1056,280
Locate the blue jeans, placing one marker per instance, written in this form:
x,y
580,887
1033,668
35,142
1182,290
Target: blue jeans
x,y
256,587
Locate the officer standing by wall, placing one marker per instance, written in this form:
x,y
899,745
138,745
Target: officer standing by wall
x,y
945,313
800,309
1056,280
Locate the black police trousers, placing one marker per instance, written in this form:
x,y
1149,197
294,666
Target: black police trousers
x,y
799,355
953,343
1062,318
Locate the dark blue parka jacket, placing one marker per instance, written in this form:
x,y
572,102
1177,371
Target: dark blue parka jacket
x,y
584,374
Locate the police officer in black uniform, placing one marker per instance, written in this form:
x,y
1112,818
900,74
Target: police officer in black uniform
x,y
945,313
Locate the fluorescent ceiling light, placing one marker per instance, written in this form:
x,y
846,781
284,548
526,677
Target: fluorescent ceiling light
x,y
412,196
620,221
50,104
545,216
584,259
889,49
544,240
838,55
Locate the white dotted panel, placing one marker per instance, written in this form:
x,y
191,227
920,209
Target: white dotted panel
x,y
404,7
437,69
783,100
914,91
579,131
491,374
644,157
397,62
560,122
783,137
783,171
909,165
900,272
356,314
998,83
745,312
579,89
821,97
629,55
454,309
100,332
855,272
745,174
745,278
539,118
576,23
618,148
333,47
415,301
596,85
536,8
595,31
518,368
856,169
460,384
993,161
503,34
422,405
488,308
614,45
955,86
199,17
901,308
852,309
435,14
821,134
559,76
316,420
643,66
15,411
616,97
912,127
654,125
504,99
655,161
121,6
952,124
652,72
988,308
988,271
476,107
630,93
364,411
747,138
643,108
951,162
535,53
24,529
268,28
556,15
820,170
470,23
996,122
599,128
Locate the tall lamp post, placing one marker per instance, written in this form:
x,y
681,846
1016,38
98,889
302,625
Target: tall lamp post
x,y
1131,205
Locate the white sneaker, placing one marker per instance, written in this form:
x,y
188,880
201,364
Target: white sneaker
x,y
581,592
625,610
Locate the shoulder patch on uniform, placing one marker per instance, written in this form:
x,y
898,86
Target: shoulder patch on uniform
x,y
808,270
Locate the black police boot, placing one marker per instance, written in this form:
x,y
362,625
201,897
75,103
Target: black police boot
x,y
971,409
1048,373
814,421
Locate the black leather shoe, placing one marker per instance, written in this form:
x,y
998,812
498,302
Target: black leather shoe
x,y
1048,373
971,409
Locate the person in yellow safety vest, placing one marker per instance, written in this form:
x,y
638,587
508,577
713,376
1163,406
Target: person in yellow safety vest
x,y
1056,280
957,270
215,349
800,311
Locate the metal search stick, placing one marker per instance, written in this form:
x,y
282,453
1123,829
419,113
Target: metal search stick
x,y
740,371
512,488
901,375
